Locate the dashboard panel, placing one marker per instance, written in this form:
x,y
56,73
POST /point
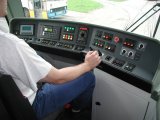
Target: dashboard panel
x,y
131,57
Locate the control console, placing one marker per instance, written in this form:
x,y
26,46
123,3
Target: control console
x,y
124,54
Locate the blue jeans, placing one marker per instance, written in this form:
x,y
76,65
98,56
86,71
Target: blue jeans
x,y
52,97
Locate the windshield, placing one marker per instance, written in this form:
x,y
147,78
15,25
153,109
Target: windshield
x,y
118,14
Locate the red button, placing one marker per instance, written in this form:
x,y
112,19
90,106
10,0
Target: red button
x,y
116,39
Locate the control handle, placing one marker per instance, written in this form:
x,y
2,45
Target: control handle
x,y
99,52
91,49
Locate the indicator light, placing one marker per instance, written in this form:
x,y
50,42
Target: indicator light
x,y
116,39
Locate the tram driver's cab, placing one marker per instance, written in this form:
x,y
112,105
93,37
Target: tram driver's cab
x,y
127,79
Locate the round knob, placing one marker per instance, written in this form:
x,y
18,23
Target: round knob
x,y
141,46
130,54
123,51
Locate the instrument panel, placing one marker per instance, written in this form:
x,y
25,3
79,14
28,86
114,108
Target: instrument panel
x,y
133,57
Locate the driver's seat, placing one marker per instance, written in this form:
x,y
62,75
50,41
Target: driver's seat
x,y
16,106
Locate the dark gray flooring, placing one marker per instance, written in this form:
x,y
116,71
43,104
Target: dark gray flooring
x,y
68,115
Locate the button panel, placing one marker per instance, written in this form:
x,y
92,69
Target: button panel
x,y
129,67
134,54
118,62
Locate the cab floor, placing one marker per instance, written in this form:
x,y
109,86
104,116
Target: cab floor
x,y
68,115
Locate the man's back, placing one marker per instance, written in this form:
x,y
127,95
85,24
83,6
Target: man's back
x,y
20,61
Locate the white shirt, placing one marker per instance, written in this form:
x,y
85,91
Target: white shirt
x,y
3,24
20,61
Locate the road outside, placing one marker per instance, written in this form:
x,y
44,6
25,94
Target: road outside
x,y
117,15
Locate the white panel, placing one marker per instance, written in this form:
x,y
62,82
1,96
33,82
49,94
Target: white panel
x,y
151,112
119,100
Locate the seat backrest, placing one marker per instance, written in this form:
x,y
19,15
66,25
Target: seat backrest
x,y
4,115
16,105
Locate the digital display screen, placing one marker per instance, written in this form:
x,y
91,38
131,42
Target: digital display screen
x,y
51,32
48,29
26,29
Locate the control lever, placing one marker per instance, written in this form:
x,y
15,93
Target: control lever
x,y
86,50
91,49
99,52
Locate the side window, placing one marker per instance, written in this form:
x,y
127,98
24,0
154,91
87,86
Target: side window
x,y
28,8
26,12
